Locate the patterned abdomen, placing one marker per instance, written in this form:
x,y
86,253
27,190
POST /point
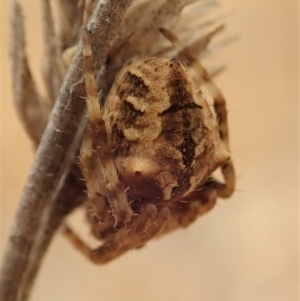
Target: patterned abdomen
x,y
161,131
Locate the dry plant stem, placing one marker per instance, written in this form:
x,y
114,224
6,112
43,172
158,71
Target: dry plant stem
x,y
70,16
54,149
71,195
53,68
26,96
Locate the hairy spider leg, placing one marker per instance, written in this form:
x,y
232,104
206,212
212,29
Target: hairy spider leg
x,y
95,184
113,191
141,229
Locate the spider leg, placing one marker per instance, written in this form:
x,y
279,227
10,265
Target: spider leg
x,y
77,242
145,226
185,211
205,199
94,179
224,190
105,253
114,192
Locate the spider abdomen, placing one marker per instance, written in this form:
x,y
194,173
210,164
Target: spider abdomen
x,y
160,129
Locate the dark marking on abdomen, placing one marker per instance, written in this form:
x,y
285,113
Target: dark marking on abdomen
x,y
133,85
179,107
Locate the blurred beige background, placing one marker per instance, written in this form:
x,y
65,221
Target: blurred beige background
x,y
248,247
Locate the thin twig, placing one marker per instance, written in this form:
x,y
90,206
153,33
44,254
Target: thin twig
x,y
53,68
54,149
25,94
70,15
69,194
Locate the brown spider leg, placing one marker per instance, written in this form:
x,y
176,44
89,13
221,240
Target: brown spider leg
x,y
224,190
94,179
206,198
188,209
113,191
105,253
147,225
142,229
69,52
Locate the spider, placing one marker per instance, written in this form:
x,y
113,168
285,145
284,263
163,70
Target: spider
x,y
150,152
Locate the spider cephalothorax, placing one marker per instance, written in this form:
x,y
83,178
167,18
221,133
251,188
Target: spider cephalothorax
x,y
150,152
